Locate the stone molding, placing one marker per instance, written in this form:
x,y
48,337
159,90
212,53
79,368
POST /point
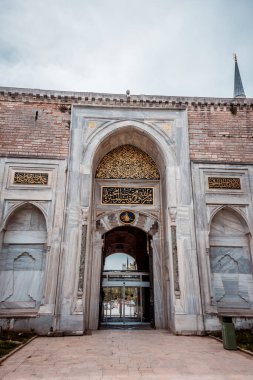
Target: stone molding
x,y
85,215
173,214
146,101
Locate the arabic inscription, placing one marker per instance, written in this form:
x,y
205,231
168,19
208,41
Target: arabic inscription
x,y
24,178
224,183
127,195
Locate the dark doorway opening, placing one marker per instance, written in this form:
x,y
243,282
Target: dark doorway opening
x,y
126,281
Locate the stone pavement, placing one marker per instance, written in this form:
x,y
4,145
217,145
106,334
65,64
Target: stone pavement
x,y
114,354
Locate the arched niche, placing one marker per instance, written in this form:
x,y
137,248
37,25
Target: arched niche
x,y
23,256
131,135
230,260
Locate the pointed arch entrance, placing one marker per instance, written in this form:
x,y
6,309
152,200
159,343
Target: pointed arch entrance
x,y
126,282
141,244
167,215
127,208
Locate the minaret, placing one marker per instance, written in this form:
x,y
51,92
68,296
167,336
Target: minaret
x,y
238,87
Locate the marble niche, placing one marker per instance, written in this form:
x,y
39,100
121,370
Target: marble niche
x,y
230,263
22,260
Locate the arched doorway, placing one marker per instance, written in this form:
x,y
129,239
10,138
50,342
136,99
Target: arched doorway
x,y
94,205
126,282
127,183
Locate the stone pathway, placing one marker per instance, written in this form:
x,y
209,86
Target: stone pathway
x,y
114,354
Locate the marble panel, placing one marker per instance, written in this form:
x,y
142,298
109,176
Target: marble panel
x,y
231,290
21,283
230,260
20,237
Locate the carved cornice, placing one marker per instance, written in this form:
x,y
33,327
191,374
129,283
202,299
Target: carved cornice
x,y
120,100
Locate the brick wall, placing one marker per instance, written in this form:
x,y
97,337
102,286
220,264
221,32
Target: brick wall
x,y
34,129
221,136
216,134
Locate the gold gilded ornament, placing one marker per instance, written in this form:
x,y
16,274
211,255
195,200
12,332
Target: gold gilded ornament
x,y
126,162
127,217
127,195
224,183
92,124
26,178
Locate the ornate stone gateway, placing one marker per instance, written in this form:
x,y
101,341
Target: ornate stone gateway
x,y
128,169
124,236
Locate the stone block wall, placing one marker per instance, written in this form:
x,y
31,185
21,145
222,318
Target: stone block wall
x,y
221,134
30,128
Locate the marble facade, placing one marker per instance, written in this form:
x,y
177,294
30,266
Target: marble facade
x,y
52,234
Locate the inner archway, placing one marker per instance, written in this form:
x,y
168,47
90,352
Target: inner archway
x,y
128,175
126,278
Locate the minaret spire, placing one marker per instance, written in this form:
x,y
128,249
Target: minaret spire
x,y
238,87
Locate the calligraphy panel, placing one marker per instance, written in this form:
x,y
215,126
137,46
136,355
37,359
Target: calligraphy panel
x,y
127,195
28,178
224,183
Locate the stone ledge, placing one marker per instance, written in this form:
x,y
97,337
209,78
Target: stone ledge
x,y
89,98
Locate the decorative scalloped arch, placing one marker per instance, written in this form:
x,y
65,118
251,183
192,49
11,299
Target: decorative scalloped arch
x,y
109,220
164,148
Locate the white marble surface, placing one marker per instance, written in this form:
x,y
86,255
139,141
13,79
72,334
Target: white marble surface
x,y
224,223
163,135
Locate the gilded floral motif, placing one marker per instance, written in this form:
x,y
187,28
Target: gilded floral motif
x,y
125,162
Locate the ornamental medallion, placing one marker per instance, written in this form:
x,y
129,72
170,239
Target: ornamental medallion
x,y
127,217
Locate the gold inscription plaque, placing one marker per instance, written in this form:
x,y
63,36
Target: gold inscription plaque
x,y
24,178
127,195
224,183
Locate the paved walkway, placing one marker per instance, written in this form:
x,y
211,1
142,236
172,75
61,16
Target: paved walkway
x,y
112,354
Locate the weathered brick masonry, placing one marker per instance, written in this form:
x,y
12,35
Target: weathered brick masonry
x,y
221,134
35,123
34,128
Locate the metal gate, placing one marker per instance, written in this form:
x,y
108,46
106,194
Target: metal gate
x,y
125,298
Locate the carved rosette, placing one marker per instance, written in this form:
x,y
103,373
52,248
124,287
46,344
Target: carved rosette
x,y
127,162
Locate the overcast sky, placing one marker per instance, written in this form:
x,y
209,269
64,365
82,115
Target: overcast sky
x,y
158,47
